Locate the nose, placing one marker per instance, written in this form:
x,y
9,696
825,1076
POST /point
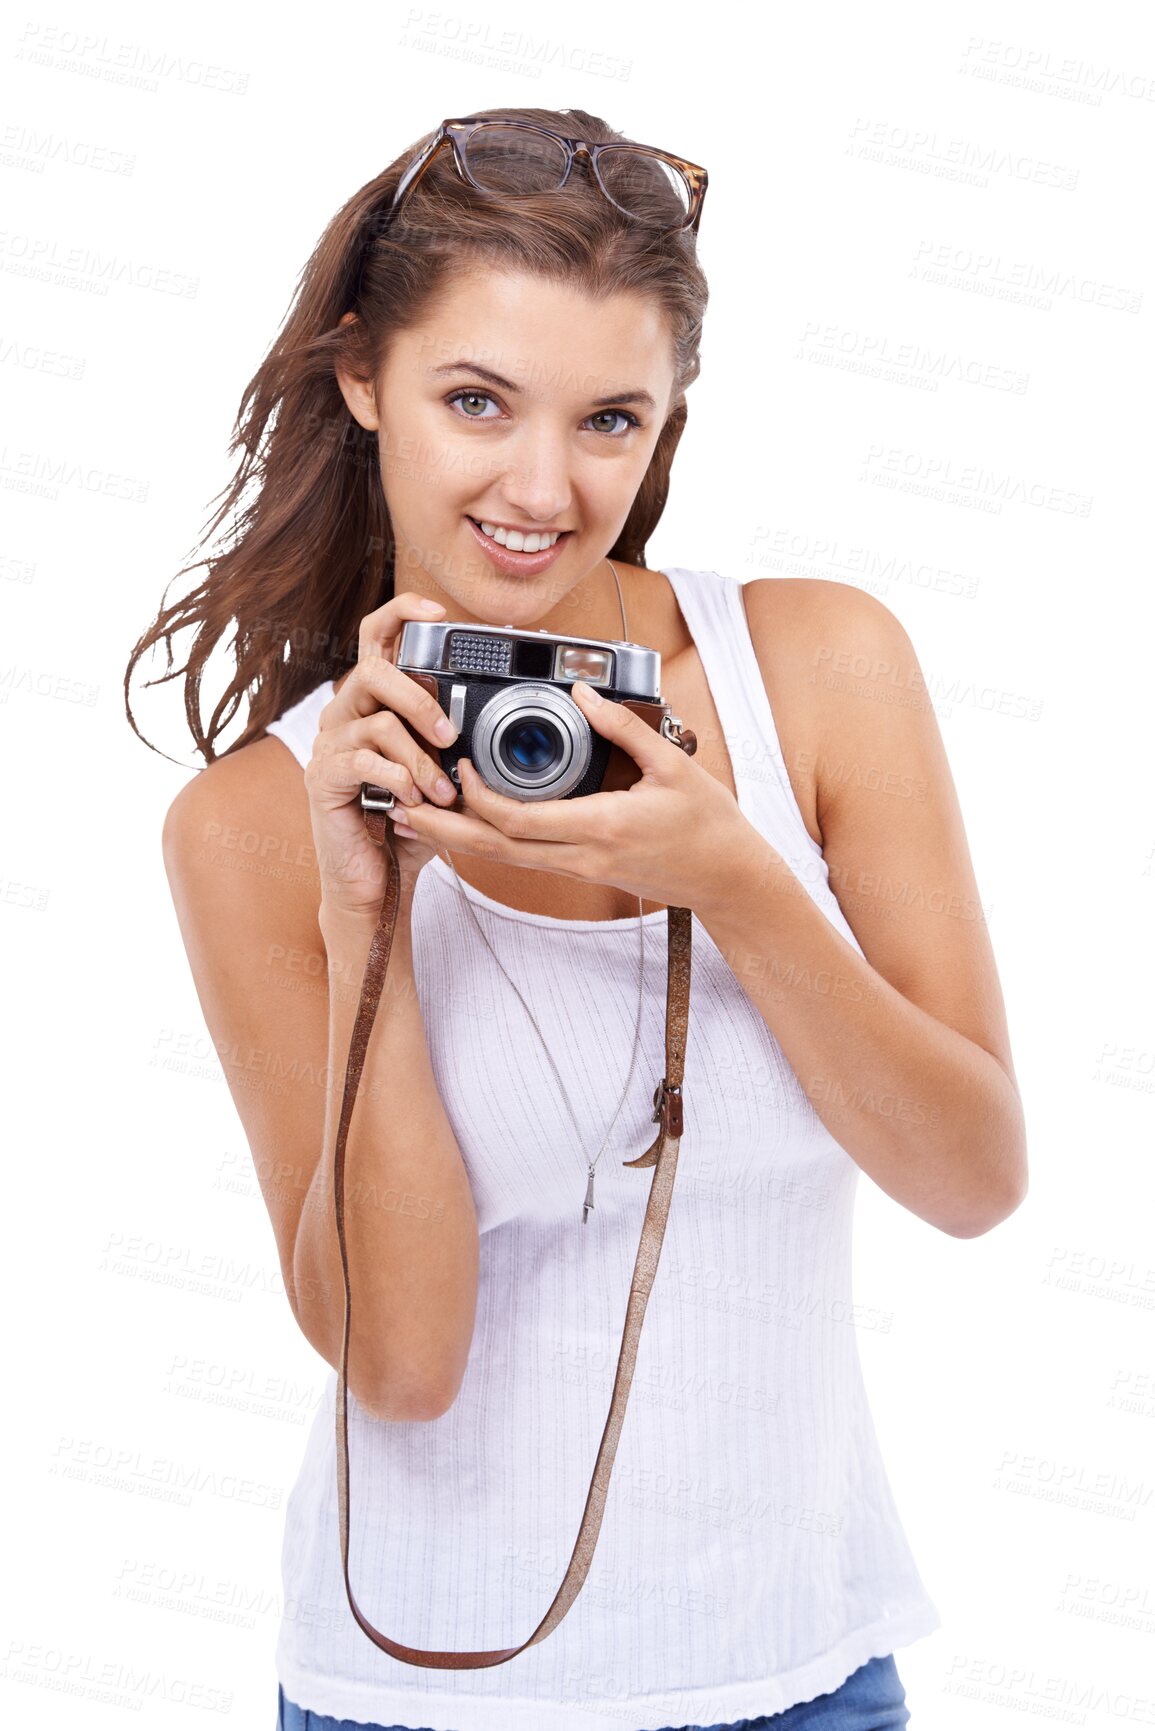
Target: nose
x,y
536,485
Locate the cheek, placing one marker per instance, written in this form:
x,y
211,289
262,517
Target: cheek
x,y
631,476
417,475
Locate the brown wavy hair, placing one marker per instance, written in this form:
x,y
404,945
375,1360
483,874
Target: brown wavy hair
x,y
309,551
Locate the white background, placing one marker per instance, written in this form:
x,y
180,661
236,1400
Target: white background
x,y
888,252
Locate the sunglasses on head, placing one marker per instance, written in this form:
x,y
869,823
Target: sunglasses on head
x,y
520,157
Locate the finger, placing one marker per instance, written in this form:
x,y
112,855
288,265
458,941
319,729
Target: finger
x,y
463,833
552,821
337,775
390,735
621,726
381,629
375,683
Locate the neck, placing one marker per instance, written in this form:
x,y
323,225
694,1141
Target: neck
x,y
591,608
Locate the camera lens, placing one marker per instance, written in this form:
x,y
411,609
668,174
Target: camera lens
x,y
530,747
530,740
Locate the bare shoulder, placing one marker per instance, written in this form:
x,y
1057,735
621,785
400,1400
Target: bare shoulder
x,y
824,647
251,804
849,669
262,771
790,624
893,834
809,625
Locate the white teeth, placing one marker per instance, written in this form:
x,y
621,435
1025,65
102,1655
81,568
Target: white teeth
x,y
516,541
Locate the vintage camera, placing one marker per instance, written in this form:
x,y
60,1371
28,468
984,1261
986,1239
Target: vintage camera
x,y
507,691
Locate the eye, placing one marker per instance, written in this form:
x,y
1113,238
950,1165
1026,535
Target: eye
x,y
472,396
622,414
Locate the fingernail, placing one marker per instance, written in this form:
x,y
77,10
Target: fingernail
x,y
445,731
444,786
588,691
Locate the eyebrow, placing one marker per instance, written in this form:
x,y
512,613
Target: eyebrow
x,y
492,378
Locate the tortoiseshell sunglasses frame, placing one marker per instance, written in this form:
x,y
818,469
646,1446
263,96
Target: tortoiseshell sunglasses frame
x,y
457,134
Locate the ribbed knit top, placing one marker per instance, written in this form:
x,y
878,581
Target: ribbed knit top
x,y
751,1554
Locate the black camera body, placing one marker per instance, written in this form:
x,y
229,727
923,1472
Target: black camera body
x,y
507,691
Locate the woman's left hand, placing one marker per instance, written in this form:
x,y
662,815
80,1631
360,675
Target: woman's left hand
x,y
672,837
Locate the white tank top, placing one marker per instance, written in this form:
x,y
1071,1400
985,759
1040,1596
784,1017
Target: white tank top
x,y
751,1554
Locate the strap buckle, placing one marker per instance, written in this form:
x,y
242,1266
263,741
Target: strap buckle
x,y
672,1092
374,798
671,728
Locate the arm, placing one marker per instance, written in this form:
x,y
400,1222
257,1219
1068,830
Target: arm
x,y
278,983
410,1219
905,1055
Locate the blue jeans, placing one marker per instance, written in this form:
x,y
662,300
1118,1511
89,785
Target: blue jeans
x,y
871,1699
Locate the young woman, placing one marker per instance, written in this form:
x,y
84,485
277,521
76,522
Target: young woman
x,y
492,342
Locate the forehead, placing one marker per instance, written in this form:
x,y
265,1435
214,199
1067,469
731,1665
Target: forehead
x,y
551,340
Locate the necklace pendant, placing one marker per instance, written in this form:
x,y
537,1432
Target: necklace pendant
x,y
589,1201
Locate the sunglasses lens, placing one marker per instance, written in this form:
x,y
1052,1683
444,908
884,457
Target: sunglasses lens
x,y
517,160
646,187
512,159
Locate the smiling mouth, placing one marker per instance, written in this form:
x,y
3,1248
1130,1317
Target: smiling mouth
x,y
561,535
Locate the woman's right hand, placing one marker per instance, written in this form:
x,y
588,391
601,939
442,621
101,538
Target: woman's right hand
x,y
362,738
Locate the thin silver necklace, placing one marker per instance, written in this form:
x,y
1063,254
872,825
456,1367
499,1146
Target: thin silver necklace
x,y
590,1164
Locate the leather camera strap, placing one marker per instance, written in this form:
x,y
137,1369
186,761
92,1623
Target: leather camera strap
x,y
662,1155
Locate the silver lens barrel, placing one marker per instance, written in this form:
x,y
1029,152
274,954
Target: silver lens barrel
x,y
561,721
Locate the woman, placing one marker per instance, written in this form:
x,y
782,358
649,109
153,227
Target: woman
x,y
485,348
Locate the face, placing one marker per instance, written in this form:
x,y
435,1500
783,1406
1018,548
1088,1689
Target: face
x,y
524,405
